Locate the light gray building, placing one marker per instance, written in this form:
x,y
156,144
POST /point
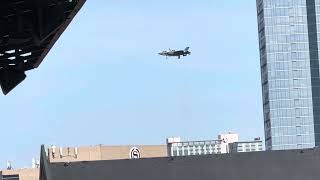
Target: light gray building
x,y
190,148
226,143
289,58
246,146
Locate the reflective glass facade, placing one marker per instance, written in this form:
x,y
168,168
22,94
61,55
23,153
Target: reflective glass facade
x,y
289,59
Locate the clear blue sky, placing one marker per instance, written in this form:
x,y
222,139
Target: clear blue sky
x,y
104,83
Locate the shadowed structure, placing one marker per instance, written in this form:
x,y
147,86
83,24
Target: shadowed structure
x,y
275,165
28,30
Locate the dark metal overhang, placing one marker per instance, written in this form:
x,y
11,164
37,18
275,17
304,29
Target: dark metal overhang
x,y
28,30
269,165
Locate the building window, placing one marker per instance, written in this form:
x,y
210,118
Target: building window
x,y
10,177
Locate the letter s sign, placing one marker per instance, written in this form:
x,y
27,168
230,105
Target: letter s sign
x,y
134,153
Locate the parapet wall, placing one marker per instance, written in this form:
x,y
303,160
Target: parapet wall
x,y
275,165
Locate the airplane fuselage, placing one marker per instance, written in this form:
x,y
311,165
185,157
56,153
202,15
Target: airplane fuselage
x,y
176,53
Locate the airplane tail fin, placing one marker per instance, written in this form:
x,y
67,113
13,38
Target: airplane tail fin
x,y
186,49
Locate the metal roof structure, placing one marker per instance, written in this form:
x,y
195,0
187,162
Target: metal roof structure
x,y
28,30
275,165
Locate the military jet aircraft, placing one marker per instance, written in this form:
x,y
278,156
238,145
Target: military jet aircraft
x,y
179,53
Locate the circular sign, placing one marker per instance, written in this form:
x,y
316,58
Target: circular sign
x,y
134,153
225,140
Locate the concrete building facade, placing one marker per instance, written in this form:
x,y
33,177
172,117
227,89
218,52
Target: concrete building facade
x,y
191,148
226,143
21,174
174,147
246,146
88,153
102,152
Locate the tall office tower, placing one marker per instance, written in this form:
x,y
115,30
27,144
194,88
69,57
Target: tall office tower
x,y
289,59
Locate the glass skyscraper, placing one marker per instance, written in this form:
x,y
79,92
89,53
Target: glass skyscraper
x,y
289,57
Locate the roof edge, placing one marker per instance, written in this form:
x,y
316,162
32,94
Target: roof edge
x,y
60,31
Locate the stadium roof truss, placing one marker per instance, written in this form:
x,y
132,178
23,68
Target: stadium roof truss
x,y
28,30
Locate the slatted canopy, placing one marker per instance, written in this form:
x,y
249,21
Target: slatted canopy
x,y
28,30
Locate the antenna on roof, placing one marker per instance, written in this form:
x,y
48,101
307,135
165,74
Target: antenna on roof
x,y
38,164
61,152
53,151
33,163
69,152
9,165
257,139
76,152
